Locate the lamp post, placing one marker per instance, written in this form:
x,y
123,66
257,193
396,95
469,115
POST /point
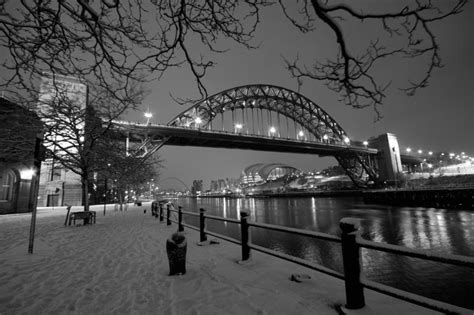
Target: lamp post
x,y
300,135
325,138
346,140
272,131
238,128
105,189
148,116
198,121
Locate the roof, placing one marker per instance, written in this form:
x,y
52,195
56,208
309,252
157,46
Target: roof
x,y
264,170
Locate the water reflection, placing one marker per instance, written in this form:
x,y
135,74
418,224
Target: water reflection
x,y
439,230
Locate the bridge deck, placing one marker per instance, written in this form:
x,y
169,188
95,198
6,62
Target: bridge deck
x,y
179,136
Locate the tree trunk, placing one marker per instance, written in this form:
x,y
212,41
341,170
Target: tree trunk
x,y
85,192
120,195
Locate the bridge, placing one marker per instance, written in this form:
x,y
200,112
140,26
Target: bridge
x,y
269,118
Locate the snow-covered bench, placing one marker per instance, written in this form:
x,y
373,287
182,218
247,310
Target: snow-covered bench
x,y
87,216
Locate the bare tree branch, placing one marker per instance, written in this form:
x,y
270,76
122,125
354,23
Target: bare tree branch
x,y
352,75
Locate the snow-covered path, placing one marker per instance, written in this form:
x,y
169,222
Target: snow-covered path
x,y
119,266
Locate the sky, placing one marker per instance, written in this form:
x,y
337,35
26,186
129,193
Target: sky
x,y
438,117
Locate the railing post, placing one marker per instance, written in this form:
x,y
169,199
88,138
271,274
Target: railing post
x,y
168,221
352,263
244,234
202,226
180,219
161,213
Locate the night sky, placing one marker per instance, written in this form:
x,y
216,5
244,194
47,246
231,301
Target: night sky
x,y
437,118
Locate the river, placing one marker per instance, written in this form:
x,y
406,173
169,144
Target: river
x,y
437,230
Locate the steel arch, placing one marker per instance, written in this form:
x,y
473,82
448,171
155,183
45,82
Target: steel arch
x,y
359,167
269,97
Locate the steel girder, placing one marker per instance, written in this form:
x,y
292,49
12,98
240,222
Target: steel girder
x,y
272,98
362,169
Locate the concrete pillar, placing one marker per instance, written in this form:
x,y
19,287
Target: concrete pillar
x,y
388,158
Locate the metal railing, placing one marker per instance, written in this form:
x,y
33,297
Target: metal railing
x,y
350,241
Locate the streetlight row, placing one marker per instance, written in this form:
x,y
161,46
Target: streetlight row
x,y
451,155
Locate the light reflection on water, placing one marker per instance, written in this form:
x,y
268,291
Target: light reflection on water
x,y
439,230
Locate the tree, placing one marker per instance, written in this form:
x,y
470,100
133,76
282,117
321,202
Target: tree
x,y
110,41
77,119
125,172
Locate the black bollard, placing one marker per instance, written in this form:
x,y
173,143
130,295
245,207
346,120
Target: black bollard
x,y
352,263
176,247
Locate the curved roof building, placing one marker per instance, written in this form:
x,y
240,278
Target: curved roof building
x,y
260,173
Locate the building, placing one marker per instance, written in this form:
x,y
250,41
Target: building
x,y
20,146
58,185
196,189
260,173
221,185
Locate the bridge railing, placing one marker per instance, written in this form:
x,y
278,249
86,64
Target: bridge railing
x,y
351,243
340,143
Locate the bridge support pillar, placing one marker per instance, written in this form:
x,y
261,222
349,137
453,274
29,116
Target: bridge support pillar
x,y
388,158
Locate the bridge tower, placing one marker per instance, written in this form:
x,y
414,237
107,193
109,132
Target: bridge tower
x,y
388,158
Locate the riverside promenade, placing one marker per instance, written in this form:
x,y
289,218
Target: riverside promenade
x,y
119,266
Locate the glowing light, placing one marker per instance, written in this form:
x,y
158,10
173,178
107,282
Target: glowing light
x,y
420,151
366,143
198,120
325,137
301,134
148,115
272,130
238,127
408,150
347,140
27,174
430,153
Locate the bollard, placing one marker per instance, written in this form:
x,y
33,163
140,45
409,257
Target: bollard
x,y
68,207
202,226
244,234
352,263
180,219
168,221
161,213
176,247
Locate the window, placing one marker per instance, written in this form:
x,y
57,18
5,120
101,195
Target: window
x,y
7,180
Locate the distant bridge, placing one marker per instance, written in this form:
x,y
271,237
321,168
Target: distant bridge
x,y
267,118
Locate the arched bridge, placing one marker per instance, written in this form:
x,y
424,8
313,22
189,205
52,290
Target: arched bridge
x,y
260,117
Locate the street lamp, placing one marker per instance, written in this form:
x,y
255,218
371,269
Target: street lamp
x,y
325,138
365,143
238,128
408,150
347,140
272,130
198,121
301,135
148,116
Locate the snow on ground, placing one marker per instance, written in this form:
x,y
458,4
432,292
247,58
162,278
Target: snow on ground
x,y
119,266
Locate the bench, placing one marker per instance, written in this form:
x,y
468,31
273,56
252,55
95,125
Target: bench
x,y
89,217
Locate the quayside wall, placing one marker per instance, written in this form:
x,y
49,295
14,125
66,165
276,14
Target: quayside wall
x,y
452,198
